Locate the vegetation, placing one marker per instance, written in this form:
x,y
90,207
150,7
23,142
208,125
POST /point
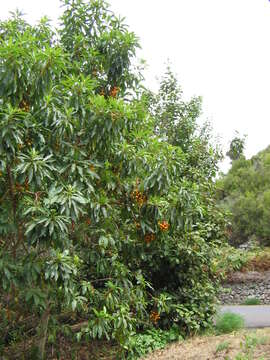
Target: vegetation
x,y
142,344
251,341
252,301
224,345
231,259
257,260
229,322
237,147
108,223
244,192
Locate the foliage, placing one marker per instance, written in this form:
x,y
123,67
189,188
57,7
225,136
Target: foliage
x,y
176,121
103,219
229,322
244,191
231,259
153,339
258,260
237,147
252,301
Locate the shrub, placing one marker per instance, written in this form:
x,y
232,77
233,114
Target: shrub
x,y
232,259
258,261
154,339
229,322
252,301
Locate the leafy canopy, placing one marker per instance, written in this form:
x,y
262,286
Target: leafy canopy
x,y
244,191
106,194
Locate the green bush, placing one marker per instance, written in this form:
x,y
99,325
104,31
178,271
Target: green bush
x,y
229,322
252,301
154,339
104,219
232,259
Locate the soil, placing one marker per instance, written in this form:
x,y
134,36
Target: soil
x,y
205,348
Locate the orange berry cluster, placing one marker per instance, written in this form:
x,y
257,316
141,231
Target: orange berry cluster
x,y
149,238
139,197
88,221
163,225
24,105
114,91
154,316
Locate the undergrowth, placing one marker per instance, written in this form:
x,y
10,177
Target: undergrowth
x,y
229,322
142,344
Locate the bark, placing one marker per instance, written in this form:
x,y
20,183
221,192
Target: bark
x,y
43,332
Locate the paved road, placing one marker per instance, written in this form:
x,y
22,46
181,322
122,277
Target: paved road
x,y
256,316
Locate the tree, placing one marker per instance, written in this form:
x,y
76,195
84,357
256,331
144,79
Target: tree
x,y
237,147
177,122
103,220
245,194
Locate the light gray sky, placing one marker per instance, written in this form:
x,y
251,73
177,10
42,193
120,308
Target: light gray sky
x,y
218,48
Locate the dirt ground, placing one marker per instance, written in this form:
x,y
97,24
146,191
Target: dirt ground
x,y
210,348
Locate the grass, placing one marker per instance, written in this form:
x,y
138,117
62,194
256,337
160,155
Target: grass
x,y
229,322
252,301
222,346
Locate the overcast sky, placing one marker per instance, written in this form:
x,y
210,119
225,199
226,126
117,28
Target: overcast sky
x,y
219,50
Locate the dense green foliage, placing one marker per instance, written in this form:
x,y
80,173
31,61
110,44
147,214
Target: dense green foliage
x,y
106,220
229,322
245,192
237,147
152,339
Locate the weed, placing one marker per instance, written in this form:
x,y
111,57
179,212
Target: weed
x,y
222,346
248,346
252,301
153,339
229,322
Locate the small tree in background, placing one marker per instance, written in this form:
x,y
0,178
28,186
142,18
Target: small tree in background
x,y
105,220
237,147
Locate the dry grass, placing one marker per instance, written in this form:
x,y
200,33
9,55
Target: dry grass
x,y
205,347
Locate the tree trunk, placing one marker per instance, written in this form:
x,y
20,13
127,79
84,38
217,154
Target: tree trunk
x,y
43,327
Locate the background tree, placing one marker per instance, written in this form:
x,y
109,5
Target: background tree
x,y
245,193
107,224
237,147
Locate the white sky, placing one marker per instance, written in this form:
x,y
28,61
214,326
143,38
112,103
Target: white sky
x,y
218,48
